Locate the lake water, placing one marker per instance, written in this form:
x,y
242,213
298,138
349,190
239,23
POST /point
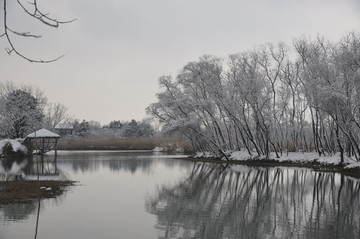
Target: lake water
x,y
148,195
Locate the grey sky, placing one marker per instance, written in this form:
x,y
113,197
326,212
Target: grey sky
x,y
117,49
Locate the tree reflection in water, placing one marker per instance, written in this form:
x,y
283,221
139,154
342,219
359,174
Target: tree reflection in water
x,y
245,202
115,161
24,169
18,211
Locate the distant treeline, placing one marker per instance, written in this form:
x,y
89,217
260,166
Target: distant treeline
x,y
271,99
115,128
25,109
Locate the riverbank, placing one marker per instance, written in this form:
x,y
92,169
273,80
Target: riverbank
x,y
27,191
330,163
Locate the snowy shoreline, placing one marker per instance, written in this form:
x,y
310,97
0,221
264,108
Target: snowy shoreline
x,y
312,160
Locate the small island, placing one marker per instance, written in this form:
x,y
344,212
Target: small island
x,y
21,180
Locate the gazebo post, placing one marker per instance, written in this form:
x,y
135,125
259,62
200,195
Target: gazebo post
x,y
55,147
42,154
42,147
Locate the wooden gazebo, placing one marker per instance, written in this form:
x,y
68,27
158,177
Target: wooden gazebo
x,y
42,141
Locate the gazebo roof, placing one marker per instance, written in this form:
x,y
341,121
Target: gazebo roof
x,y
42,133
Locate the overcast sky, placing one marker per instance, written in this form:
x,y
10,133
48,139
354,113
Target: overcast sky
x,y
117,49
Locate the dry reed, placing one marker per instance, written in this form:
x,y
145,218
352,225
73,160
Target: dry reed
x,y
111,143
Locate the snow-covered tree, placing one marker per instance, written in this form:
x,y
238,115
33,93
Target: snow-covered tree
x,y
20,114
82,129
115,124
271,99
137,129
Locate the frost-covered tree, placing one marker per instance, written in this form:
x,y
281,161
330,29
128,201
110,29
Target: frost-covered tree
x,y
21,113
131,129
82,129
137,129
115,124
24,108
330,78
145,129
271,99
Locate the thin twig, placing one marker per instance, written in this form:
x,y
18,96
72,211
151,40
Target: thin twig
x,y
53,22
37,14
23,34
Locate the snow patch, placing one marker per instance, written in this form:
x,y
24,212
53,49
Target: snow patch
x,y
158,149
43,133
204,155
298,157
353,165
16,145
240,155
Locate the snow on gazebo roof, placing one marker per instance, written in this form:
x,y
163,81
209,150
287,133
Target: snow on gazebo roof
x,y
42,133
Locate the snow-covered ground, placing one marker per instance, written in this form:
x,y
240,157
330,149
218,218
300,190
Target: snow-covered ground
x,y
158,149
15,143
294,157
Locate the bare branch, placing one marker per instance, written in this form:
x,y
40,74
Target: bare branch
x,y
37,14
24,34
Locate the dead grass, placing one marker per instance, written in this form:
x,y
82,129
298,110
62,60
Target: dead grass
x,y
26,191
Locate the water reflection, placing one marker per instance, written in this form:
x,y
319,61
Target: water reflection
x,y
18,211
131,164
23,206
29,168
116,161
113,186
80,161
243,202
189,200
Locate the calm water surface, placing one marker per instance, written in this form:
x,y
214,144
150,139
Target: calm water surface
x,y
146,195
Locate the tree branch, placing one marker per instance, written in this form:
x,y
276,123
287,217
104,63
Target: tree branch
x,y
23,34
37,14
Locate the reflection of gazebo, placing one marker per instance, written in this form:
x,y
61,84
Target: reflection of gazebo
x,y
42,141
